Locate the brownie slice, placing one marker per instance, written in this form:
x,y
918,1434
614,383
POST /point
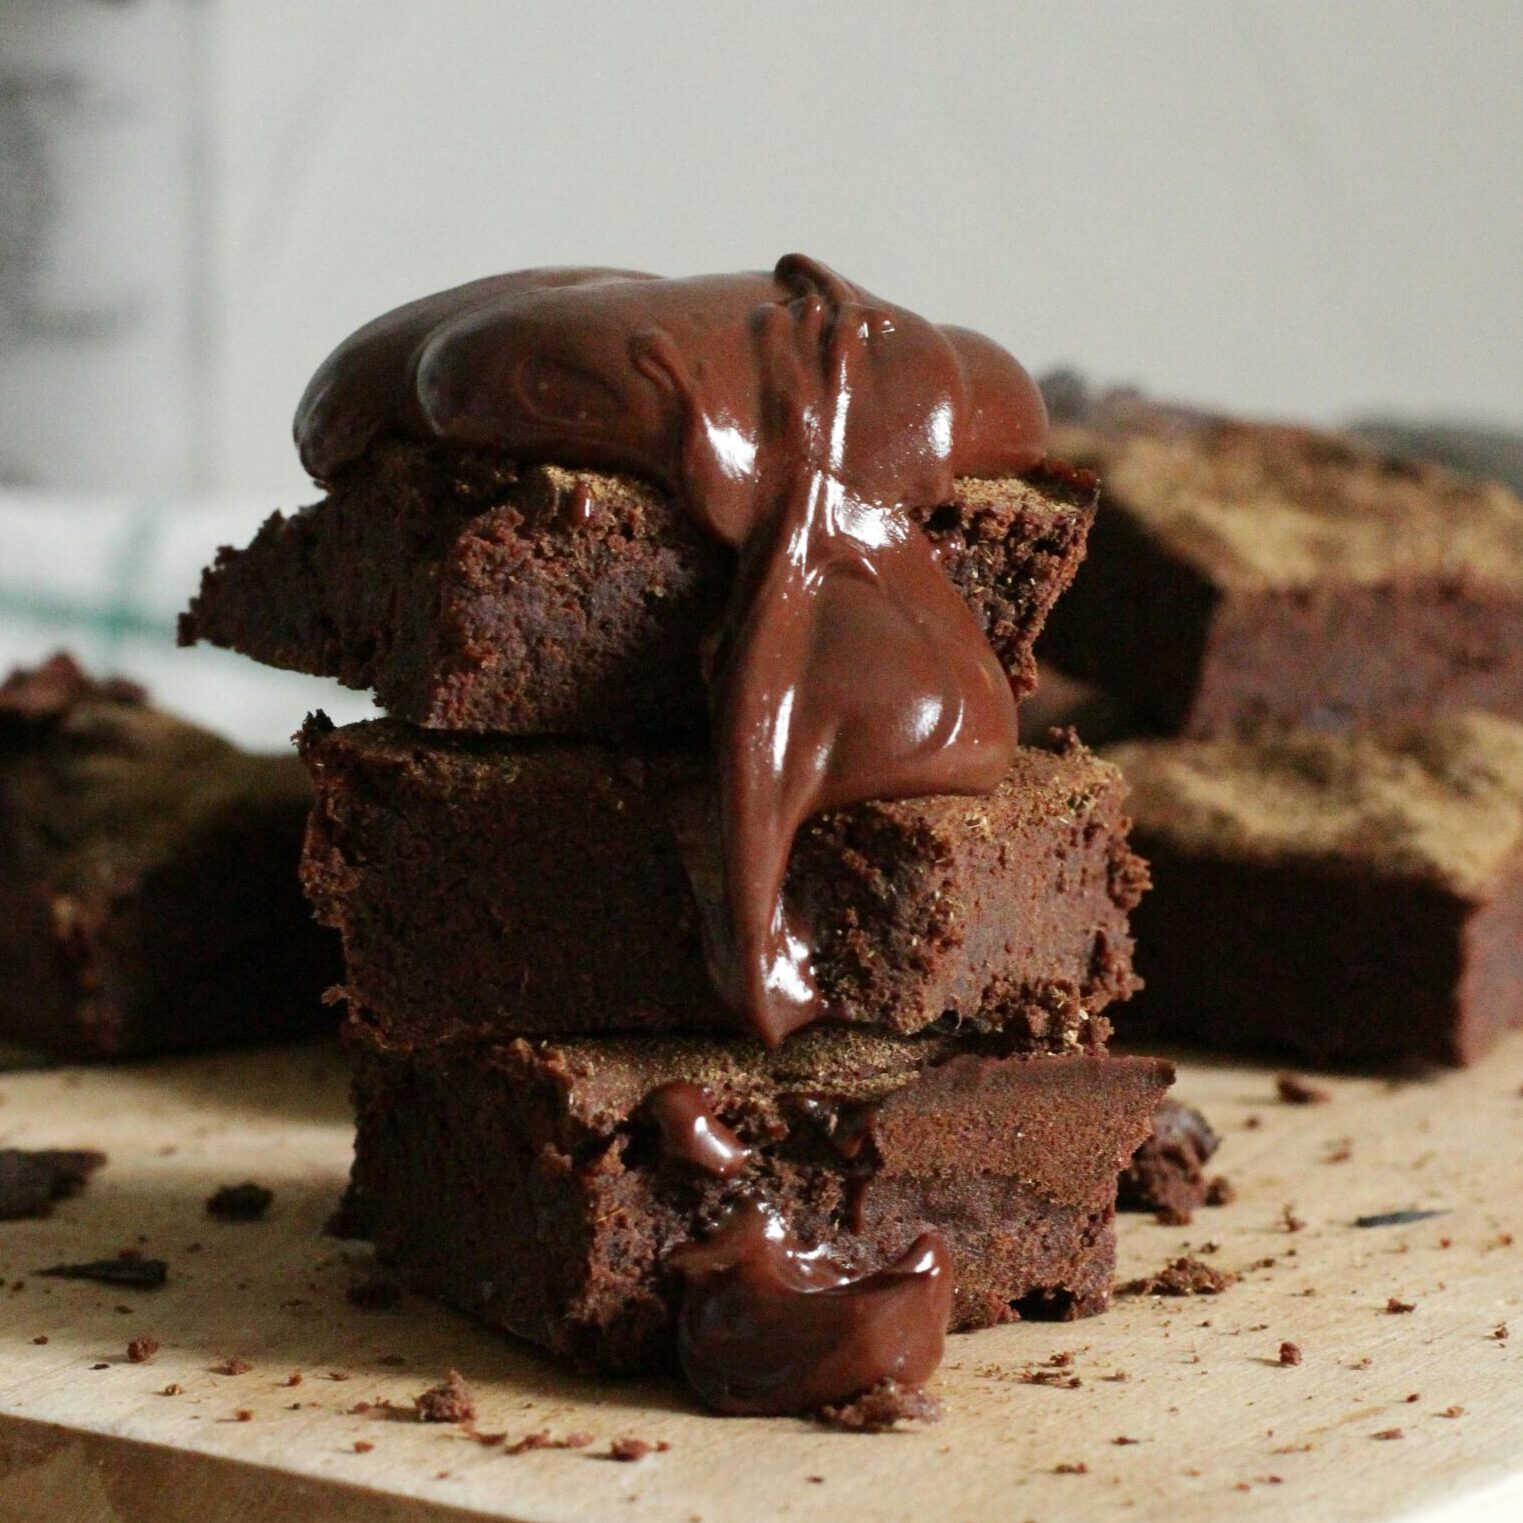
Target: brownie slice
x,y
527,1183
474,595
1241,574
1344,898
148,890
516,886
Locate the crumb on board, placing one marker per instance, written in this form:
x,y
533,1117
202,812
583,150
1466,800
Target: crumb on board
x,y
232,1366
174,1388
1290,1353
1220,1191
1388,1434
877,1410
451,1401
1183,1276
142,1350
1064,1467
1289,1221
247,1202
1292,1089
628,1450
363,1446
1396,1307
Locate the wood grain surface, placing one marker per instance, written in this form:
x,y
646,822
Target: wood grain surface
x,y
1183,1409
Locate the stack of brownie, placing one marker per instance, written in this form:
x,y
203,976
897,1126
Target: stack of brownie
x,y
1312,630
568,1124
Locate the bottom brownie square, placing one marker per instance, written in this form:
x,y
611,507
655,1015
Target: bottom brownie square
x,y
534,1184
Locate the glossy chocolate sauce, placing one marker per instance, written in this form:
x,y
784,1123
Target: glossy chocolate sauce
x,y
691,1132
767,1326
799,420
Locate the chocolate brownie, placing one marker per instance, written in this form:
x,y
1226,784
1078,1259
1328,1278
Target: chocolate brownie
x,y
518,886
532,1184
472,594
1167,1173
1244,573
1343,898
148,892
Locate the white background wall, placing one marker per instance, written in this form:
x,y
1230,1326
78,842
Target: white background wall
x,y
1307,207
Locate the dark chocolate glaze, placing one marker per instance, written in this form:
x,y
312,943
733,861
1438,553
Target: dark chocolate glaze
x,y
691,1132
769,1327
799,420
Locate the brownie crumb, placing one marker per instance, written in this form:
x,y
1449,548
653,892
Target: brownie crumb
x,y
243,1415
1389,1433
1294,1090
628,1450
128,1268
363,1446
31,1180
1220,1191
142,1350
293,1379
174,1388
1395,1308
878,1409
451,1401
374,1295
1121,1440
531,1441
100,1366
247,1202
1180,1277
1064,1468
1499,1332
1289,1221
233,1366
40,1338
1455,1411
1290,1353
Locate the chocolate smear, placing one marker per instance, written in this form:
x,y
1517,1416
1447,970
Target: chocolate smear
x,y
767,1326
800,421
691,1132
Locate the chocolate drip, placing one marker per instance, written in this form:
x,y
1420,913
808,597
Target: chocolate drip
x,y
800,420
769,1327
692,1132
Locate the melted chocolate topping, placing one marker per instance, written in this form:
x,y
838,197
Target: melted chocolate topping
x,y
767,1326
692,1132
798,419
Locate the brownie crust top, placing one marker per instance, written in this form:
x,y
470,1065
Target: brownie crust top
x,y
1441,801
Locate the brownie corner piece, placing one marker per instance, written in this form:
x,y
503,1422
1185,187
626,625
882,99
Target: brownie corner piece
x,y
528,1184
489,885
473,594
1242,574
1348,899
148,890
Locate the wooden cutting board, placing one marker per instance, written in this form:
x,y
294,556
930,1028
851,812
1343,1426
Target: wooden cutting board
x,y
1182,1411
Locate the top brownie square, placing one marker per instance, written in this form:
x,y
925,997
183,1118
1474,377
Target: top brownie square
x,y
1244,573
471,594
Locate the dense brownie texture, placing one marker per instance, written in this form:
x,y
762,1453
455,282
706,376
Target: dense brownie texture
x,y
1343,898
148,892
473,595
1243,573
525,1183
489,885
1167,1173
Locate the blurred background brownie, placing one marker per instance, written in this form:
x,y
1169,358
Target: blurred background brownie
x,y
1343,898
493,885
567,1193
148,893
474,595
1243,573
